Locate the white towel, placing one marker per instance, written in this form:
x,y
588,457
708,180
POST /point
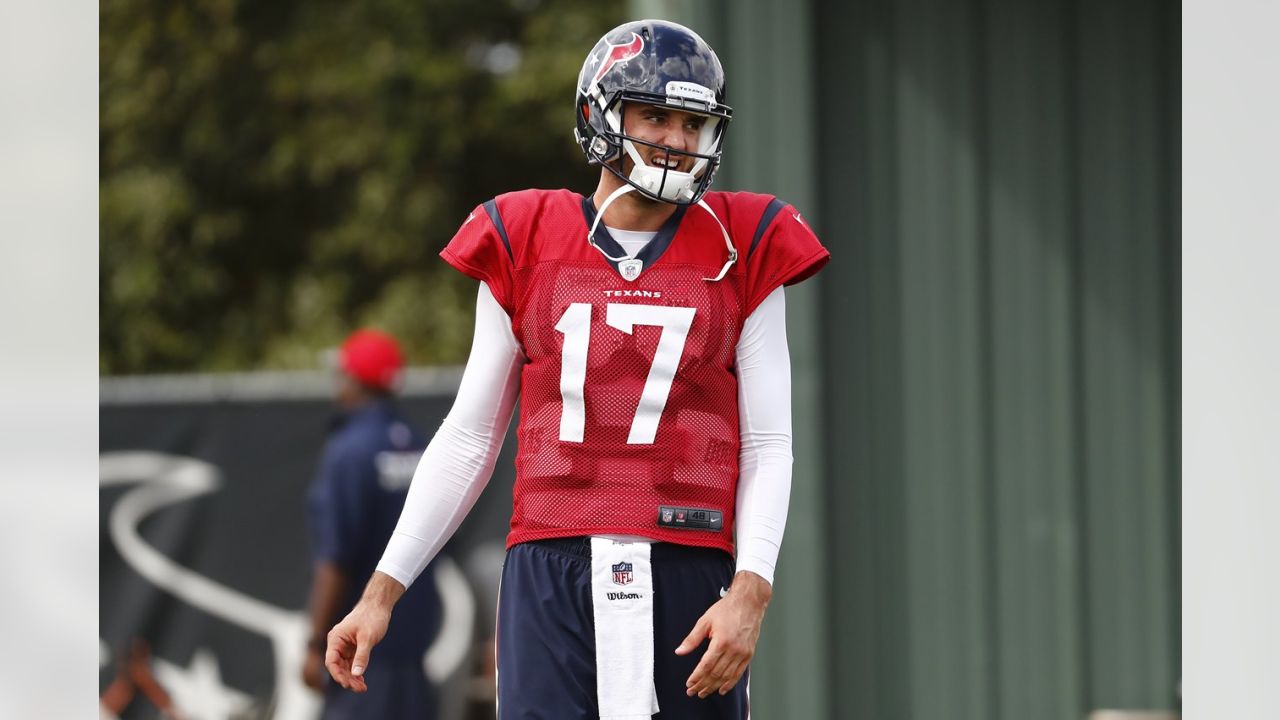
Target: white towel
x,y
622,599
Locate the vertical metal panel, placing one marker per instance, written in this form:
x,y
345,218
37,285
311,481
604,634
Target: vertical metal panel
x,y
939,184
1037,480
1123,115
1031,414
864,373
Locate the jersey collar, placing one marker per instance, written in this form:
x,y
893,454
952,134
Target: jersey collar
x,y
650,253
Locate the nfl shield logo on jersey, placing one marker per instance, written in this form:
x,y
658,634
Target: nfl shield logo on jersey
x,y
630,269
622,573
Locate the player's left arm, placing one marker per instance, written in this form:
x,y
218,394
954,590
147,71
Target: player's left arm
x,y
764,490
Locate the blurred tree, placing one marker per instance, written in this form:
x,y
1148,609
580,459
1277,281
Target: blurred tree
x,y
275,174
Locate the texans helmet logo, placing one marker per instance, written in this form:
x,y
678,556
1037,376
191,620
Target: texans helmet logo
x,y
617,54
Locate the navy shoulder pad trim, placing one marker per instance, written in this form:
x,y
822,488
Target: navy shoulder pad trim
x,y
491,207
770,212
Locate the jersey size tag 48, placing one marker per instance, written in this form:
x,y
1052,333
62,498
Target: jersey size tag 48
x,y
686,518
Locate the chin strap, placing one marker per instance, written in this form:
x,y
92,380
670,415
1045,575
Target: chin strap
x,y
591,234
622,190
733,252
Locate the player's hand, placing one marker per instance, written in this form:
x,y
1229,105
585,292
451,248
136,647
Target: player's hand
x,y
733,624
351,641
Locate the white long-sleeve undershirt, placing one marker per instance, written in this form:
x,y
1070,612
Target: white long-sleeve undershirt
x,y
459,461
764,431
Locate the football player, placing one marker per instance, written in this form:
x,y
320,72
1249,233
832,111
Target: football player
x,y
642,328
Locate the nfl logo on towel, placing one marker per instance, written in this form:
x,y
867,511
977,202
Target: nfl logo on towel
x,y
622,573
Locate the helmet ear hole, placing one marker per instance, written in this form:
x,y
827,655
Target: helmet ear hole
x,y
586,112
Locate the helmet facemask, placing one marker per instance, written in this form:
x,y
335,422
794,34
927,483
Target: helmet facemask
x,y
663,184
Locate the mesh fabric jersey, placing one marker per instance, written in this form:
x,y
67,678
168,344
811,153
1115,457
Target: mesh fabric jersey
x,y
628,397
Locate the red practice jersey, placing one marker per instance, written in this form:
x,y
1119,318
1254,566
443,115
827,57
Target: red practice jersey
x,y
629,405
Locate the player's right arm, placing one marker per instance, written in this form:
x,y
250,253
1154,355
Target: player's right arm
x,y
450,477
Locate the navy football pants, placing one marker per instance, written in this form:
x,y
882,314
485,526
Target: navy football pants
x,y
546,631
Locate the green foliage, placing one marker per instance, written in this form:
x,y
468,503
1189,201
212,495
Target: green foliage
x,y
275,174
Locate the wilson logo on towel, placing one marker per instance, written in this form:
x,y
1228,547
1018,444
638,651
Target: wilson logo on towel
x,y
622,574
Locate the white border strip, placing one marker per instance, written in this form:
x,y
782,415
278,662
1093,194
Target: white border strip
x,y
1230,352
266,385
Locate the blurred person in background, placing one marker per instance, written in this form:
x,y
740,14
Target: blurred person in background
x,y
353,504
643,329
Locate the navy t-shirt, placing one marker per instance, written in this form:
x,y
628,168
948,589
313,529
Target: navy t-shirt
x,y
353,506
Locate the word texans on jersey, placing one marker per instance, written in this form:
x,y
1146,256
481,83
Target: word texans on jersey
x,y
633,293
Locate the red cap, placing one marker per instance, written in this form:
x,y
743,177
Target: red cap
x,y
372,357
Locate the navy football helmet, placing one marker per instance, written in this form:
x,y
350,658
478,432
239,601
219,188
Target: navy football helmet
x,y
657,63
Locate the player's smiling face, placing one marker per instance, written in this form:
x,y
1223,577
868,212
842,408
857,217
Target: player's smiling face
x,y
677,129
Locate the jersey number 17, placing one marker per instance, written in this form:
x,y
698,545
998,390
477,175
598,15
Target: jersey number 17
x,y
575,325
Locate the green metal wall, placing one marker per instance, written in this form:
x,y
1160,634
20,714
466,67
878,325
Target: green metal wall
x,y
985,522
